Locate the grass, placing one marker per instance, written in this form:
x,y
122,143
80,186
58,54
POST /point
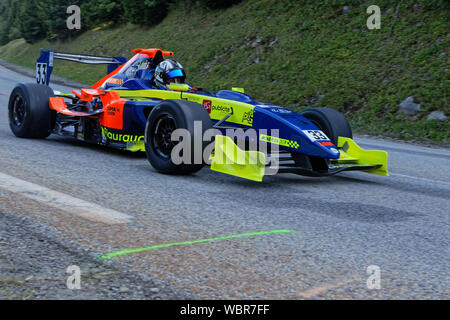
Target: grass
x,y
295,55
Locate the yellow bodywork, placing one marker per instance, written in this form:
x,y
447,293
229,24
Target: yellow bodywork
x,y
230,159
351,153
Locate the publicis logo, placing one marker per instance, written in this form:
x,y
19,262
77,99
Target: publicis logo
x,y
207,105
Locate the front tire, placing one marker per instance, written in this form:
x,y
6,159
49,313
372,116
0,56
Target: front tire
x,y
163,120
28,111
332,122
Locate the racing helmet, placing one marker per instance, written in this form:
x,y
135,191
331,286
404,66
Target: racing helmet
x,y
168,71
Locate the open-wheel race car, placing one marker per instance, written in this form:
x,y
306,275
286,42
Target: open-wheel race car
x,y
126,110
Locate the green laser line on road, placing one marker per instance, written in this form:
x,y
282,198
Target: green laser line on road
x,y
128,251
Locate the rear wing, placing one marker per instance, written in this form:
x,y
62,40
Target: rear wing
x,y
44,64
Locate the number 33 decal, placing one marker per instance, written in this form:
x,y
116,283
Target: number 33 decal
x,y
41,73
314,135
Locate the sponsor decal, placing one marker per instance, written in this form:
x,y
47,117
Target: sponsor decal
x,y
50,60
325,143
120,137
115,81
207,105
248,117
111,110
282,142
223,109
315,135
41,73
280,110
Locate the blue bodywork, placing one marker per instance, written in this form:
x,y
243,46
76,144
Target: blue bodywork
x,y
290,125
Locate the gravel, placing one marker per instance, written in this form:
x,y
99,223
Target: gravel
x,y
33,266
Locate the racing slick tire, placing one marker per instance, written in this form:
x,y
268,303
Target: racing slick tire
x,y
166,117
28,111
332,122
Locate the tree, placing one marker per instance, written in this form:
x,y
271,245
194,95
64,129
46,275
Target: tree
x,y
96,12
29,21
145,12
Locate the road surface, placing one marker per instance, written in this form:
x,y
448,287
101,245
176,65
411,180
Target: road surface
x,y
342,226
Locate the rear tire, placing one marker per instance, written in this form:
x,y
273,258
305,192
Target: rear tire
x,y
29,113
166,117
332,122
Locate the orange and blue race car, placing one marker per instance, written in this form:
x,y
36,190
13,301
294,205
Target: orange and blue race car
x,y
227,129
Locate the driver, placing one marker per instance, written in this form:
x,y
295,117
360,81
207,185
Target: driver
x,y
168,71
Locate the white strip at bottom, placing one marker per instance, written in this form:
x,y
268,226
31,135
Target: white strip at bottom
x,y
421,179
61,201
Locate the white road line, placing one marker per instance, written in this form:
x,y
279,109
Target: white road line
x,y
58,200
419,178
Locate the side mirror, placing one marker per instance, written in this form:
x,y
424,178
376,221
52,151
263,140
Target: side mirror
x,y
178,87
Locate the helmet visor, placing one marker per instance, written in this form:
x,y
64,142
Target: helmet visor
x,y
175,73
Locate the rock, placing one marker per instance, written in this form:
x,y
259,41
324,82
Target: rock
x,y
442,55
346,9
102,275
154,290
256,42
256,60
271,43
123,289
437,115
408,106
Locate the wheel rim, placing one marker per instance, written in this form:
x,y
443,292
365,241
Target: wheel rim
x,y
18,112
162,138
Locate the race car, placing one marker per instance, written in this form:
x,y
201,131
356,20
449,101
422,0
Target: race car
x,y
182,128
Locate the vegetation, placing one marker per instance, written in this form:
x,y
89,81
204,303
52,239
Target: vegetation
x,y
293,53
36,20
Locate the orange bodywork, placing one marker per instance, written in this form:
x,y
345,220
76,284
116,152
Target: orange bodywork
x,y
113,105
149,53
88,94
59,105
111,116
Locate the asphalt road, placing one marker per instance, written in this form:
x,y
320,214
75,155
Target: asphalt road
x,y
341,225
